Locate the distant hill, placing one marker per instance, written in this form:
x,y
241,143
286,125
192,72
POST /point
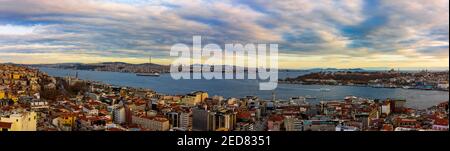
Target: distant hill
x,y
110,66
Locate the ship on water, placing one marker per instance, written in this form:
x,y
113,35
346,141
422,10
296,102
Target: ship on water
x,y
149,74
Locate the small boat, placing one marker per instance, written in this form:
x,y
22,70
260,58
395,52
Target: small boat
x,y
148,74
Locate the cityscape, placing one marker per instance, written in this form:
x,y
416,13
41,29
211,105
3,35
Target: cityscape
x,y
31,100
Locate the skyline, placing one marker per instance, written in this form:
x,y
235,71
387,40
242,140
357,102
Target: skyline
x,y
341,34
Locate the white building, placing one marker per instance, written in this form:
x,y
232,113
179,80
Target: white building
x,y
404,129
346,128
443,85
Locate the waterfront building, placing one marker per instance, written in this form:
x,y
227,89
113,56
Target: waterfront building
x,y
23,121
174,119
185,120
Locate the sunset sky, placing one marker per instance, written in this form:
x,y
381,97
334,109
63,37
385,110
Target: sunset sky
x,y
310,33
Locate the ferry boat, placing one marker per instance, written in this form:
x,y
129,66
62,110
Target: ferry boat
x,y
148,74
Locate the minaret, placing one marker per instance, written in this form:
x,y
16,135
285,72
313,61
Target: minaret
x,y
148,107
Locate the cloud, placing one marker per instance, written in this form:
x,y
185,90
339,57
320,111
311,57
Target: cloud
x,y
329,33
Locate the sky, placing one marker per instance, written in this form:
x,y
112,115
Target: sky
x,y
309,33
